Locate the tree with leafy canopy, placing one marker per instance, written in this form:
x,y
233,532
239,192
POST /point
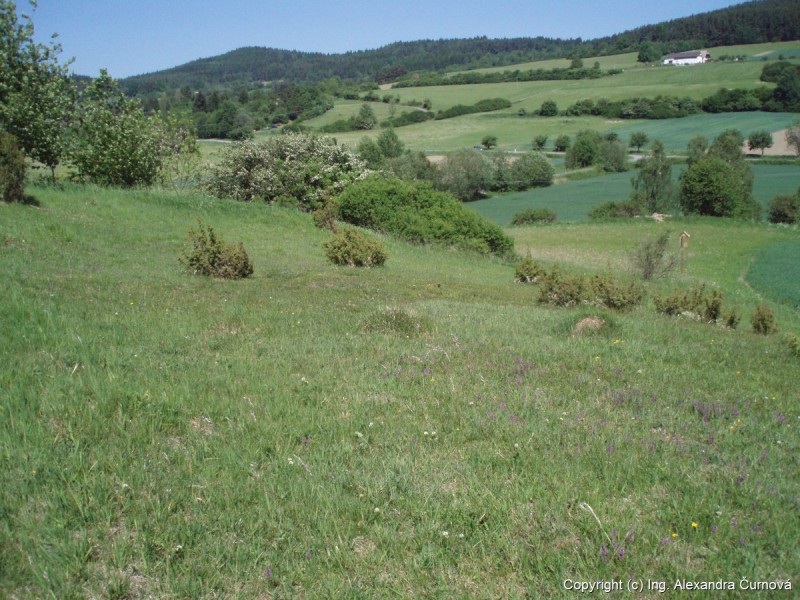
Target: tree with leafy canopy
x,y
114,142
389,144
489,141
760,140
638,139
36,92
652,187
793,136
548,109
365,119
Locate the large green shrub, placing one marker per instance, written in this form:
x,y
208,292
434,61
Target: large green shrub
x,y
784,209
531,170
418,213
12,169
211,256
296,168
350,247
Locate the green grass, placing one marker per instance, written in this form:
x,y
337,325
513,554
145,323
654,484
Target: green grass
x,y
775,272
513,132
572,200
165,435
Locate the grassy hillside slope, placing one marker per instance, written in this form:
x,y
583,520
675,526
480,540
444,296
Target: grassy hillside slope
x,y
165,435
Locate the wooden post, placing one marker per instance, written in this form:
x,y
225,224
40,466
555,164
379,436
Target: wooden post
x,y
684,243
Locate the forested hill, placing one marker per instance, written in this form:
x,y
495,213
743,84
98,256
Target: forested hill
x,y
751,22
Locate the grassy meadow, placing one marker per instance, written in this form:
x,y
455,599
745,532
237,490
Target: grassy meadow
x,y
637,80
421,429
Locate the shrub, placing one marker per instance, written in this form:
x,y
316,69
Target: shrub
x,y
562,289
12,169
784,209
531,170
531,216
613,156
651,260
793,342
418,213
698,303
585,151
213,257
304,168
351,247
763,320
325,217
465,174
528,270
562,143
623,209
391,320
606,290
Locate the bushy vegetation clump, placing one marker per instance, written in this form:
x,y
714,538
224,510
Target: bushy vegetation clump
x,y
719,182
528,270
615,209
603,289
350,247
533,216
117,144
784,208
213,257
397,320
763,320
12,169
696,302
418,213
292,169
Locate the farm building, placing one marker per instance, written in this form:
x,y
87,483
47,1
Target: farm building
x,y
694,57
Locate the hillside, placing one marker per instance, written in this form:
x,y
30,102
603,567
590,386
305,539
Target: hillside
x,y
421,429
751,22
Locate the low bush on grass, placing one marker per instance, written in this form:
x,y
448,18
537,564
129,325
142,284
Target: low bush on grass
x,y
793,342
12,169
350,247
606,211
213,257
418,213
396,320
564,289
699,304
325,217
528,270
533,216
763,320
784,209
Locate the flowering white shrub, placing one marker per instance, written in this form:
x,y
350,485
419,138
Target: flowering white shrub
x,y
294,169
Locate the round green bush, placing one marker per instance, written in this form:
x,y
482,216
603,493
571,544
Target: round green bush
x,y
350,247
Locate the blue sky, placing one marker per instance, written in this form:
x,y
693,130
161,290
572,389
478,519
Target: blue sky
x,y
130,37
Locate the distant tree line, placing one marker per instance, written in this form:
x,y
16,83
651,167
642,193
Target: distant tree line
x,y
469,78
751,22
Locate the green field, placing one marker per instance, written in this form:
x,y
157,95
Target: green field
x,y
572,200
165,435
775,272
513,132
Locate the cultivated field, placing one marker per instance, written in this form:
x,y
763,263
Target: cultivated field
x,y
166,435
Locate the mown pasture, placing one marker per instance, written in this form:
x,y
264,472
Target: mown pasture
x,y
166,435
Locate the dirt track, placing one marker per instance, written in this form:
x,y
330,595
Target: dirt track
x,y
779,146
